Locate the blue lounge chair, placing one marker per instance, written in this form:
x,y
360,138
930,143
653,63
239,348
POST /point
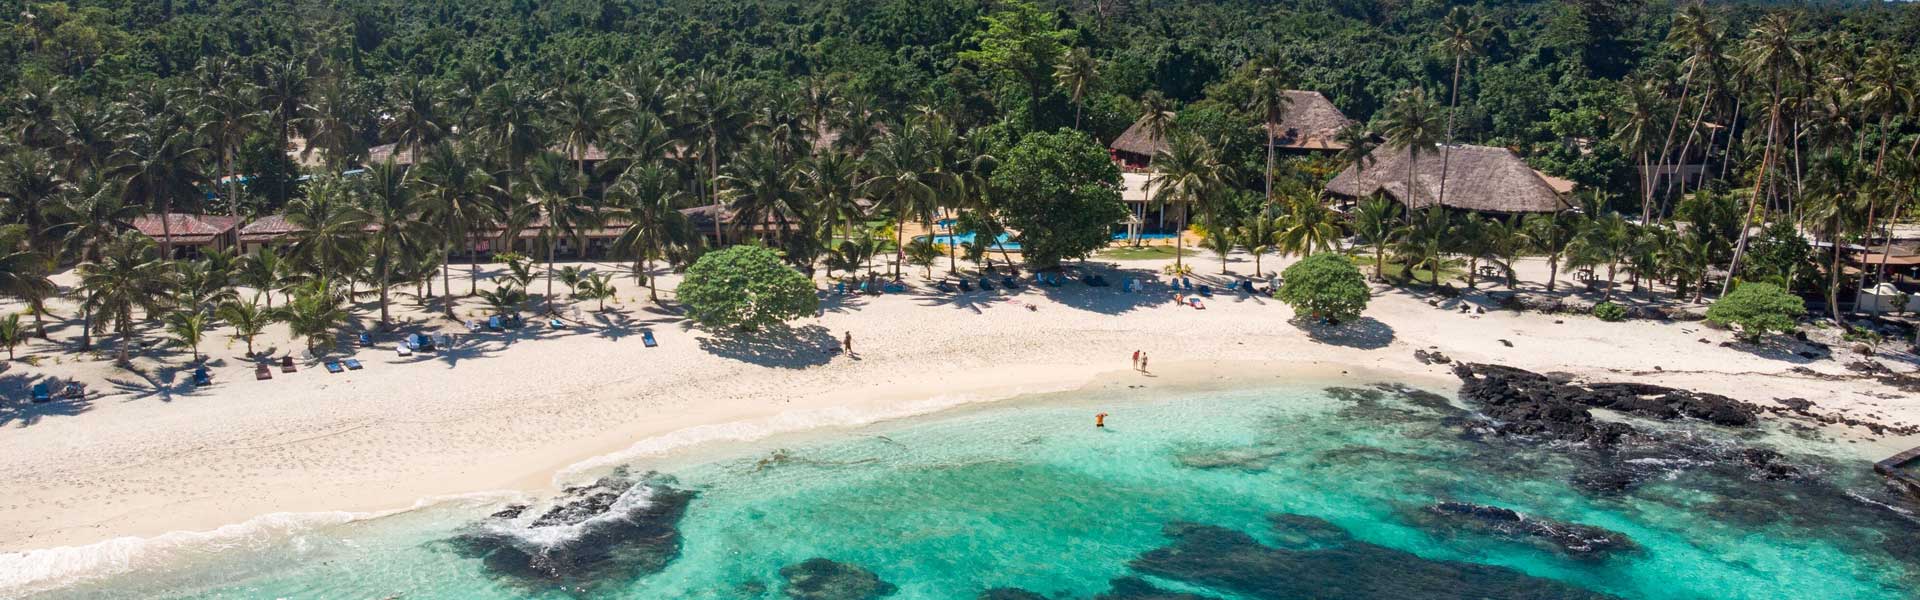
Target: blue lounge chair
x,y
1010,282
444,340
42,392
986,284
1056,279
333,366
943,286
894,287
516,321
866,287
495,323
556,324
366,339
474,326
202,377
419,342
646,337
1186,283
966,286
1206,291
353,364
840,288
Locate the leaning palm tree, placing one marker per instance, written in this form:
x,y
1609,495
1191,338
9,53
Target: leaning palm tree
x,y
646,199
23,270
1412,126
1076,74
393,211
1772,54
1462,35
128,276
1193,175
30,185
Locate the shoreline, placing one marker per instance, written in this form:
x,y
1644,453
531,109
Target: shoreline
x,y
524,412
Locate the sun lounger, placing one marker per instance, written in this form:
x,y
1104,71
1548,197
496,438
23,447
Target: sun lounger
x,y
966,286
556,323
840,289
515,322
866,287
1206,291
1196,304
986,284
333,366
1010,282
42,392
353,364
495,323
366,339
74,390
646,338
202,377
286,364
262,372
474,326
894,287
1097,281
403,350
420,342
943,286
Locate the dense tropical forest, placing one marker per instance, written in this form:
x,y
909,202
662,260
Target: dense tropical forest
x,y
837,119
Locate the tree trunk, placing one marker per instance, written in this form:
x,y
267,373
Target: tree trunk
x,y
551,244
1666,148
1766,163
1553,272
1833,272
1446,153
385,277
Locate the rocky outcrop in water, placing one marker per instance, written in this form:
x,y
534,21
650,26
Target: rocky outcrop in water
x,y
617,527
1229,560
1134,588
1010,594
1568,539
1525,403
823,579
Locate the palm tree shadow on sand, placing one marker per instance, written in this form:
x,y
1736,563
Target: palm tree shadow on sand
x,y
1364,333
778,347
18,411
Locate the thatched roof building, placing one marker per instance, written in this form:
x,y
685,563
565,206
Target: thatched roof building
x,y
1312,123
1479,178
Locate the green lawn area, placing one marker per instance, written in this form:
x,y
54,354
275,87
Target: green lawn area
x,y
1124,252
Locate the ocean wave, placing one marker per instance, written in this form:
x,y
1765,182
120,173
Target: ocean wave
x,y
47,569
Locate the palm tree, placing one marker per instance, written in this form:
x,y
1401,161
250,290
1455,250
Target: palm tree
x,y
901,179
30,183
1504,242
709,110
1308,226
247,319
1635,136
188,327
1356,150
759,187
158,165
833,179
228,112
1553,235
332,124
1271,101
393,210
458,198
1835,201
1605,240
1425,242
579,114
284,90
87,131
511,129
414,119
315,311
646,198
1193,174
24,271
1771,54
1412,126
595,286
1470,240
1697,32
1462,35
1156,119
1076,74
1378,223
330,228
1259,234
127,276
550,183
11,333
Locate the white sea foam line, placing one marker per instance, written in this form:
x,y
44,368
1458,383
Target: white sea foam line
x,y
782,423
50,568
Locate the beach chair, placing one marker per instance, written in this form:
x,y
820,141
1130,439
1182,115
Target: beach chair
x,y
42,392
556,324
74,390
894,288
1196,304
865,287
366,339
444,340
333,366
966,286
1186,283
262,372
840,289
986,284
286,364
403,350
943,286
495,323
353,364
646,338
1206,291
516,321
1097,281
202,377
474,326
1010,282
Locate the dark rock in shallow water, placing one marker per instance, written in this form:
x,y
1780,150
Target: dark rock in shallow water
x,y
1304,532
822,579
1010,594
618,527
1570,539
1530,404
1251,459
1134,588
1229,560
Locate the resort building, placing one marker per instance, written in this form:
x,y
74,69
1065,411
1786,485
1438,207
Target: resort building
x,y
1478,178
189,234
1312,124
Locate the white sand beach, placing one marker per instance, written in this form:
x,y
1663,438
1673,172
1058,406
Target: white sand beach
x,y
146,454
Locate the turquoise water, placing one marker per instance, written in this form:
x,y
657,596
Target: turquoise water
x,y
1028,495
1006,241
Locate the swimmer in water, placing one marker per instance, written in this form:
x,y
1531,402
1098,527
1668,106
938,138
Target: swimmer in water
x,y
1100,420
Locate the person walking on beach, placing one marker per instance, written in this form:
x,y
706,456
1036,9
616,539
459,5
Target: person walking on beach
x,y
1143,362
846,344
1136,360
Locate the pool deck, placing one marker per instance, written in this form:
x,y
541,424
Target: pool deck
x,y
1892,468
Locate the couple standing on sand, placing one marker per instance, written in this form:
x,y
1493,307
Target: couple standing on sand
x,y
1139,361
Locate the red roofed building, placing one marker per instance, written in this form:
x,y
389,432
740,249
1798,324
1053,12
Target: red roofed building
x,y
188,234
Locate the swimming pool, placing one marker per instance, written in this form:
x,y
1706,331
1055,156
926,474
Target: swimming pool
x,y
1005,241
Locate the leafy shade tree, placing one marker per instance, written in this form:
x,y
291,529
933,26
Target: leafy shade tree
x,y
1061,193
1022,41
1757,309
746,288
1325,286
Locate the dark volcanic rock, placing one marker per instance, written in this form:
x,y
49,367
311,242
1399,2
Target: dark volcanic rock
x,y
1229,560
1530,404
1134,588
1570,539
822,579
1010,594
618,527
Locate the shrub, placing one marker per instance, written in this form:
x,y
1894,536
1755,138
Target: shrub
x,y
1061,191
1757,309
745,287
1610,312
1325,286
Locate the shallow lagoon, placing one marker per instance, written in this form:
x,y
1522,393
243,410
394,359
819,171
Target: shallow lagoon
x,y
1243,493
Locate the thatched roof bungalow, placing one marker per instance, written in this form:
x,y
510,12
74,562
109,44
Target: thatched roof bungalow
x,y
1312,124
1479,178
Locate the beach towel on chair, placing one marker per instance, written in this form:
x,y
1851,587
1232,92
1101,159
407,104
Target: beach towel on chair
x,y
646,338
